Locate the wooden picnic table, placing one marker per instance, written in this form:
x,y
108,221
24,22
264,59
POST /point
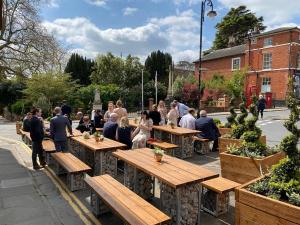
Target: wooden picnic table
x,y
180,186
97,154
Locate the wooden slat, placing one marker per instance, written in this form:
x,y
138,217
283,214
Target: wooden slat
x,y
48,146
177,130
132,208
173,171
195,138
163,145
220,185
106,144
70,162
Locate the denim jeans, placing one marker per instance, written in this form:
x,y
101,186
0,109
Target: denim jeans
x,y
61,146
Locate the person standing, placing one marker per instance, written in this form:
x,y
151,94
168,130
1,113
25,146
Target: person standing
x,y
155,115
188,120
181,109
110,110
66,110
261,105
37,136
208,128
121,112
162,109
58,125
172,116
26,122
98,119
124,132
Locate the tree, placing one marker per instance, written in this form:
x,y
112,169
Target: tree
x,y
236,24
54,87
160,62
79,68
25,45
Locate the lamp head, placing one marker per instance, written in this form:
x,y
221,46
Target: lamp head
x,y
211,14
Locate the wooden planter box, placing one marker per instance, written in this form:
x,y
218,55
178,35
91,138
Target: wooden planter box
x,y
224,130
244,169
224,142
256,209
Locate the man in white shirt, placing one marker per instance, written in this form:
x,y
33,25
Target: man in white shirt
x,y
188,120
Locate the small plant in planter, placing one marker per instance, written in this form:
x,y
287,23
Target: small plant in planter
x,y
231,118
97,136
86,135
158,154
283,183
172,125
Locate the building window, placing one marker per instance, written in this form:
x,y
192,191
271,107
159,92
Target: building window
x,y
298,62
267,42
267,61
253,40
236,64
266,84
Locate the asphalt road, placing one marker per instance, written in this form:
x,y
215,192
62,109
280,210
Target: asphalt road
x,y
271,125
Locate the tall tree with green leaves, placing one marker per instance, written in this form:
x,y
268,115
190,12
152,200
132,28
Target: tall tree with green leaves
x,y
79,68
235,26
160,62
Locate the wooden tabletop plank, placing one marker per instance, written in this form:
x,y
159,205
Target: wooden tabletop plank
x,y
220,185
172,171
106,144
48,146
176,130
131,207
70,162
162,145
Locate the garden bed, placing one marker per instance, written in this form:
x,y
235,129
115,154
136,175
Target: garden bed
x,y
244,169
224,130
224,142
256,209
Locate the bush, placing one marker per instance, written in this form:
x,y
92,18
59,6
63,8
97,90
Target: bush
x,y
18,107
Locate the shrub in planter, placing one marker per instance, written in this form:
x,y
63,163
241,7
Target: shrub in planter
x,y
231,118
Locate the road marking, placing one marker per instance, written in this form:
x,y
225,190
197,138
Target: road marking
x,y
81,210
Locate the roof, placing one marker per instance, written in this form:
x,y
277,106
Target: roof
x,y
278,30
225,52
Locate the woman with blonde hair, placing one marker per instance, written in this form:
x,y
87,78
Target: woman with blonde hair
x,y
162,109
124,132
110,110
120,110
142,132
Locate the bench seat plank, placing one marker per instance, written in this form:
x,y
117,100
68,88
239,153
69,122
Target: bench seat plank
x,y
48,146
70,162
132,208
195,138
220,185
163,145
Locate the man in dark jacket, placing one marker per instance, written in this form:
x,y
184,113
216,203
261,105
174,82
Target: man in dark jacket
x,y
26,122
58,125
66,110
37,136
208,129
110,127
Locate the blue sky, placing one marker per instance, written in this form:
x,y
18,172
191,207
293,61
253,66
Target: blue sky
x,y
137,27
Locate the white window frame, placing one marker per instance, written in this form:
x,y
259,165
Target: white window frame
x,y
269,62
232,60
266,84
267,42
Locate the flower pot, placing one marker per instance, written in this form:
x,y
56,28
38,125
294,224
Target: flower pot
x,y
253,208
244,169
158,157
97,139
224,130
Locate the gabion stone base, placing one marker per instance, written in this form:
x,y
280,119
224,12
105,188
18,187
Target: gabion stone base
x,y
58,169
75,181
202,147
98,206
181,204
215,203
139,182
49,159
163,136
76,149
105,163
89,157
186,146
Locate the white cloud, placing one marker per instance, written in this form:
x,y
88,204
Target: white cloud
x,y
100,3
129,11
178,35
275,12
51,3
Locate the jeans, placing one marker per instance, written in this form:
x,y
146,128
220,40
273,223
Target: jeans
x,y
61,146
37,149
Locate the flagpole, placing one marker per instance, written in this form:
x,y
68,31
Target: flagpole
x,y
156,87
142,90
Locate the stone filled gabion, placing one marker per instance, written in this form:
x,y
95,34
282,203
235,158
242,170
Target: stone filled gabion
x,y
188,203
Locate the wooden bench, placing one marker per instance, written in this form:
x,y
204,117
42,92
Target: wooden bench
x,y
26,137
75,169
201,145
128,205
215,195
167,147
49,147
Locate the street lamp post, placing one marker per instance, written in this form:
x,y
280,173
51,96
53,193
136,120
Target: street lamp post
x,y
210,14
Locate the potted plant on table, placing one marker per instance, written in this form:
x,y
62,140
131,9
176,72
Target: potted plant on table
x,y
251,158
276,196
172,125
97,136
158,154
86,135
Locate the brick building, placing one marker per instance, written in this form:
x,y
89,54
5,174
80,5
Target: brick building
x,y
271,58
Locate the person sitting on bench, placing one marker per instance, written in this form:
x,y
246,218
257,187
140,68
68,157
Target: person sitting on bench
x,y
208,129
